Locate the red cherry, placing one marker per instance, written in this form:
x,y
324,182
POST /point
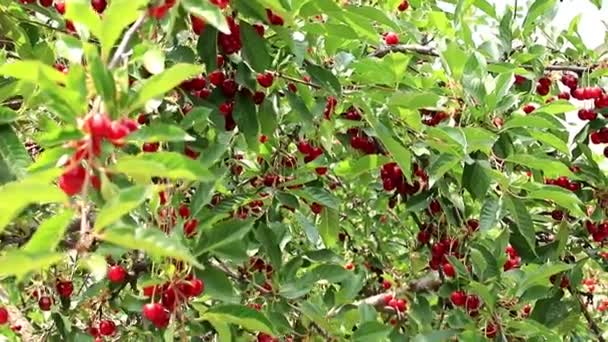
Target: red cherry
x,y
519,80
3,315
98,125
184,211
542,90
263,139
435,207
349,266
458,298
107,327
545,82
321,171
563,95
198,24
258,97
292,88
99,5
229,88
387,298
400,305
195,288
72,180
220,3
217,77
60,7
570,81
472,303
150,147
391,38
274,18
386,284
606,152
473,224
117,274
143,119
117,131
64,288
316,208
93,331
153,311
403,6
46,3
259,29
393,303
190,228
528,108
191,153
448,270
578,93
265,80
304,147
44,303
557,215
491,330
424,236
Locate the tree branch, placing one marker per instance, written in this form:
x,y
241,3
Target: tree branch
x,y
125,40
429,51
594,327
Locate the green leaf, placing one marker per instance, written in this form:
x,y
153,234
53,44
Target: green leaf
x,y
30,70
538,9
154,60
208,12
7,115
329,227
254,48
20,263
324,78
102,78
531,121
116,17
217,285
485,294
551,167
374,14
12,152
551,140
269,243
158,85
435,336
207,48
354,168
151,240
123,203
475,179
489,213
522,219
319,195
160,132
49,233
414,100
222,234
441,165
24,193
559,196
162,164
556,107
400,154
455,59
539,275
239,315
297,105
81,11
371,331
245,115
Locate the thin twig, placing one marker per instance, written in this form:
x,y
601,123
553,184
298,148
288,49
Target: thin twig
x,y
594,327
297,80
125,40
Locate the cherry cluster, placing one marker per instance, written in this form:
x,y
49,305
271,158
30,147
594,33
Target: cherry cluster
x,y
393,178
513,261
106,327
171,295
168,217
98,127
598,231
470,302
564,182
433,117
257,264
309,151
439,255
399,305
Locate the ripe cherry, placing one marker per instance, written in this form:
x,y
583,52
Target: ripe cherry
x,y
292,88
435,207
3,315
321,171
72,180
64,288
491,330
458,298
448,270
190,228
107,327
45,303
265,80
198,24
403,6
472,303
184,211
263,139
349,266
391,38
195,288
150,147
60,6
387,298
46,3
557,215
99,5
217,78
386,284
117,274
274,18
424,236
316,208
258,97
528,108
400,305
